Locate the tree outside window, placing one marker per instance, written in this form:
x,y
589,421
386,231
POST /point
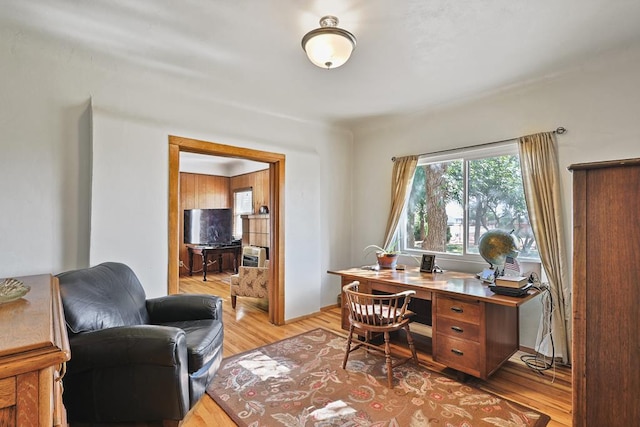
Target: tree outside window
x,y
454,201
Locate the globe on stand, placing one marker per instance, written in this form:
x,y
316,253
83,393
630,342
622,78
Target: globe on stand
x,y
495,246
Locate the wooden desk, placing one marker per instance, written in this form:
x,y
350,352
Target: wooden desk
x,y
473,330
205,251
33,350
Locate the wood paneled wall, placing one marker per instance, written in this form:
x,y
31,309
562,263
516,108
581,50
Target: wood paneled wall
x,y
199,191
204,191
259,181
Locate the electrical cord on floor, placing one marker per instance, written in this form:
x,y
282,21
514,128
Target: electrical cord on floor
x,y
199,270
539,362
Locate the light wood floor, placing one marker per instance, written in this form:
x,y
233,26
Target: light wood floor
x,y
247,327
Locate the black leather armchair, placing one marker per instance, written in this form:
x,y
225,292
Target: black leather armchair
x,y
133,359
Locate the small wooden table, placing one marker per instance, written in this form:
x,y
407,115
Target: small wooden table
x,y
473,330
205,251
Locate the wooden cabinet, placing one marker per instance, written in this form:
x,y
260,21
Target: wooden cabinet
x,y
458,333
606,267
33,351
256,230
473,336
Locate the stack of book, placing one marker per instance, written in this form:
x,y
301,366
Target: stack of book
x,y
515,286
511,281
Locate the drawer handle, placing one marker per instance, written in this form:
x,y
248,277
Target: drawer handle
x,y
457,352
457,329
457,309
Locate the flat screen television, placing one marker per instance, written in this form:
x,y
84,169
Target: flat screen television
x,y
208,226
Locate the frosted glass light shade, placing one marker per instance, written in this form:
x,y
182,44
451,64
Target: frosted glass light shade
x,y
328,46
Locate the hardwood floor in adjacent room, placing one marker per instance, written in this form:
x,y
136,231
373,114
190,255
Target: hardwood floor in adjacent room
x,y
247,327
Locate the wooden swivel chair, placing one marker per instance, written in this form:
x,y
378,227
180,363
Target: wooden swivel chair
x,y
375,314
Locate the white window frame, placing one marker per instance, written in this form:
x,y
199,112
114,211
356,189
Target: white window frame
x,y
473,153
237,215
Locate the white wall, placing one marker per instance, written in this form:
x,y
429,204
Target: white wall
x,y
44,161
131,170
244,167
129,214
190,164
599,104
53,220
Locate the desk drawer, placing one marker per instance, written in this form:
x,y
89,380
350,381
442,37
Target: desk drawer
x,y
458,329
463,355
462,310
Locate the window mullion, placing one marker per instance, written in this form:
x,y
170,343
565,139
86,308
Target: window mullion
x,y
465,211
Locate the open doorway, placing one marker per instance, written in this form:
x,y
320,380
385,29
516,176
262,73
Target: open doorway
x,y
276,164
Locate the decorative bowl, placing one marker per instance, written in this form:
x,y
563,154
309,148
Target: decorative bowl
x,y
12,289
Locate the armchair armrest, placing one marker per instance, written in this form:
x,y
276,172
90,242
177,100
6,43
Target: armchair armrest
x,y
128,345
128,373
176,308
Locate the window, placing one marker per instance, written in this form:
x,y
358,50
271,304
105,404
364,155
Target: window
x,y
456,197
242,205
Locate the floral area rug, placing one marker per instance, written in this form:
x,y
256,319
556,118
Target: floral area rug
x,y
299,381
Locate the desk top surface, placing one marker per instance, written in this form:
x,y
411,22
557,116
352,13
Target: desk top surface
x,y
448,282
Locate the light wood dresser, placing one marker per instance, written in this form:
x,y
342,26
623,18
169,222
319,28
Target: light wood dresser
x,y
34,348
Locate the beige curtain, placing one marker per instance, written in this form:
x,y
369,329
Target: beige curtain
x,y
541,178
402,176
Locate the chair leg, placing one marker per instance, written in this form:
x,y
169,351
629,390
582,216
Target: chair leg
x,y
387,355
233,301
411,344
348,349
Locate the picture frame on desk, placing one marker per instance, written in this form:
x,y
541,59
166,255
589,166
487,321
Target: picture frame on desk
x,y
428,263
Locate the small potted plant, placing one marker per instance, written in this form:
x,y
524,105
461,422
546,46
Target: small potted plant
x,y
387,258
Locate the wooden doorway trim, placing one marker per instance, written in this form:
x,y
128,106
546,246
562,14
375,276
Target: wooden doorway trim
x,y
276,189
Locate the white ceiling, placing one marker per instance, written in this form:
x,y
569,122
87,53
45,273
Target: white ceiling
x,y
214,165
412,55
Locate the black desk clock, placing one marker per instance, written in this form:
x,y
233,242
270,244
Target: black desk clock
x,y
428,264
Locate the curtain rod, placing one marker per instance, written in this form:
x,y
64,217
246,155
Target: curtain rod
x,y
559,130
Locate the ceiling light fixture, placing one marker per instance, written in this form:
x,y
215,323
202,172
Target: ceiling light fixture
x,y
328,46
